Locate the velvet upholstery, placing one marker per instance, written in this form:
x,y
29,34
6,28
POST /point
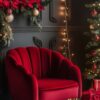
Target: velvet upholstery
x,y
41,74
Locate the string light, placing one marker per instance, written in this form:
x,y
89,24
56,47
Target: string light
x,y
65,47
99,4
63,33
62,8
62,13
63,0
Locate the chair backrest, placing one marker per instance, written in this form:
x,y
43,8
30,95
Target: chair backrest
x,y
40,61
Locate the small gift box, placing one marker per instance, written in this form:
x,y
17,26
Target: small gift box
x,y
96,84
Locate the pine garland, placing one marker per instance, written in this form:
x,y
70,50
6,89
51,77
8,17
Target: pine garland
x,y
8,8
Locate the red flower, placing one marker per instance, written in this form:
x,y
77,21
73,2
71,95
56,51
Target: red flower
x,y
6,3
40,7
1,3
15,4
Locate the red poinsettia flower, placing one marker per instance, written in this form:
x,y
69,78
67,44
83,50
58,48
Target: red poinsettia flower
x,y
6,3
1,3
24,3
15,4
40,7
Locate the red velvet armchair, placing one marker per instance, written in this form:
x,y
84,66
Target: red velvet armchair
x,y
41,74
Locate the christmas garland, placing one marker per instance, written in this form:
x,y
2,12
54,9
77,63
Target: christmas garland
x,y
8,8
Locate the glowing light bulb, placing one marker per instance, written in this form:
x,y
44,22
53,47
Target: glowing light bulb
x,y
62,13
63,33
65,39
64,30
62,8
68,40
63,0
65,21
72,54
94,4
67,14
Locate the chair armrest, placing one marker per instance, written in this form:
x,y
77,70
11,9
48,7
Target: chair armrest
x,y
34,82
21,85
75,74
71,71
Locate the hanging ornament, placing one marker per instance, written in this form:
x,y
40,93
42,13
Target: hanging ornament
x,y
9,18
94,66
94,13
91,26
97,37
0,34
9,11
98,52
35,12
93,53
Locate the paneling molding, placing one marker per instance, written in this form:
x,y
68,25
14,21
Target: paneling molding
x,y
48,29
51,9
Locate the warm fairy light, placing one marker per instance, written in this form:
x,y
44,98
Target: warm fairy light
x,y
91,26
64,30
62,8
65,49
67,8
63,0
73,54
93,4
69,40
65,39
66,14
63,33
62,13
65,21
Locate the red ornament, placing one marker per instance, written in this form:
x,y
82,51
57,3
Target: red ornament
x,y
6,4
94,67
97,37
93,53
9,11
94,13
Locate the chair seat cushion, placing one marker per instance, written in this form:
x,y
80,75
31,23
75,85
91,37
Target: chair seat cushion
x,y
57,89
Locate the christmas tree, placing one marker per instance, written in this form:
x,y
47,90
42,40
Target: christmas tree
x,y
92,48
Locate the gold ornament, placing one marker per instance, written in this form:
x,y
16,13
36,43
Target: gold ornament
x,y
0,34
91,27
36,12
9,18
